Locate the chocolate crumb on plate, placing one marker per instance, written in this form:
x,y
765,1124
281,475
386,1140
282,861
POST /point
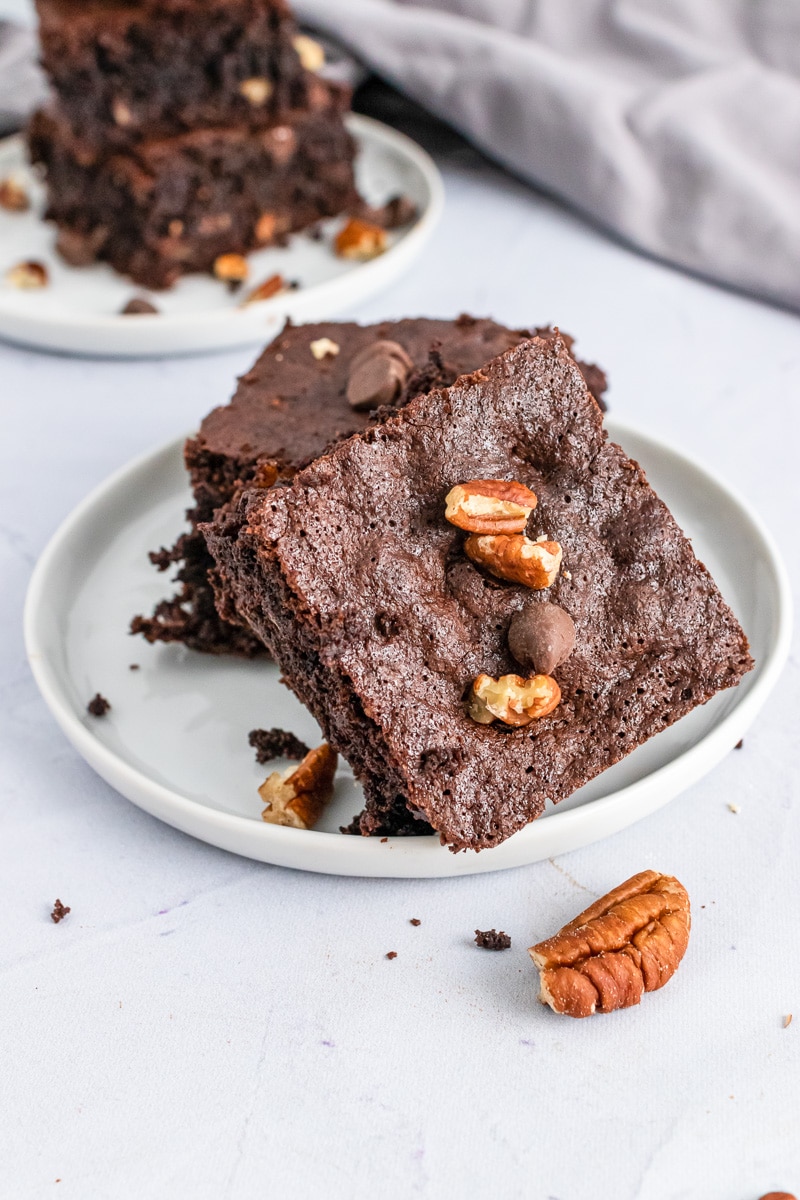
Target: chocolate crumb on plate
x,y
133,667
490,939
276,743
98,706
414,921
392,954
59,912
138,307
739,744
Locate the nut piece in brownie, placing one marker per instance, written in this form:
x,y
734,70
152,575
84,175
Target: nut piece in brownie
x,y
298,398
171,206
154,68
382,623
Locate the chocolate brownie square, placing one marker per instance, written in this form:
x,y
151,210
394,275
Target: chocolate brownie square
x,y
286,411
125,71
169,207
381,623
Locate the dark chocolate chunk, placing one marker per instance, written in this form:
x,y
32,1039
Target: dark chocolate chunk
x,y
98,706
541,637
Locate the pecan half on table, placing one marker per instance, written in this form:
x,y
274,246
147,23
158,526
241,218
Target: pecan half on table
x,y
628,942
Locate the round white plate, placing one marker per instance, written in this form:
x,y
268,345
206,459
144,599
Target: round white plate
x,y
78,312
175,740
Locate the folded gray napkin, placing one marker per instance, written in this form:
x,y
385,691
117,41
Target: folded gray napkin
x,y
673,123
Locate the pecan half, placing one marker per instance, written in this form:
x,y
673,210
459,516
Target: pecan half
x,y
297,796
13,197
231,268
28,275
360,240
490,506
512,699
516,558
266,290
629,942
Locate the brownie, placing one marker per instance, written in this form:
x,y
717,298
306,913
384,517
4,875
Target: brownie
x,y
380,623
171,206
287,410
124,71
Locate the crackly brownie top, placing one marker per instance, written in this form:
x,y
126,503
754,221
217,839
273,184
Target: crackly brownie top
x,y
373,567
291,405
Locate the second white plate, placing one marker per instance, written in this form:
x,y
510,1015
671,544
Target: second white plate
x,y
175,740
79,310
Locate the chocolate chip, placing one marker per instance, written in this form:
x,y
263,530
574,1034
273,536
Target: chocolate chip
x,y
540,637
378,375
138,307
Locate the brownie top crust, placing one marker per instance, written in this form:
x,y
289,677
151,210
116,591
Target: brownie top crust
x,y
291,406
361,588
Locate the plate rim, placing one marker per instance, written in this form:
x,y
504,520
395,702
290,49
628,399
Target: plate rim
x,y
234,320
293,846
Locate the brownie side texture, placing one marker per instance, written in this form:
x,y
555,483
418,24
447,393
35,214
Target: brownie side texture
x,y
124,71
169,207
379,622
287,410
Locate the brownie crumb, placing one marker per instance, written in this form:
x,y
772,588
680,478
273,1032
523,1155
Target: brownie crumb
x,y
415,921
98,706
739,744
276,743
392,954
59,912
133,667
490,939
435,374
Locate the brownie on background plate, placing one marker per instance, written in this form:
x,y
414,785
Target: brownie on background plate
x,y
169,206
391,624
128,69
313,385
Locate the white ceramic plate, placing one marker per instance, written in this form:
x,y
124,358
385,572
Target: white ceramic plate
x,y
175,740
79,310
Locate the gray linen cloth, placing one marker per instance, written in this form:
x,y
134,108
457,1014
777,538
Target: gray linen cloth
x,y
673,123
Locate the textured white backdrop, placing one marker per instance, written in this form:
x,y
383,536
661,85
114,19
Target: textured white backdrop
x,y
206,1027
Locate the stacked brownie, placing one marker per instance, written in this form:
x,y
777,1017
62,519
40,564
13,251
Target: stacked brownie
x,y
180,131
414,633
312,386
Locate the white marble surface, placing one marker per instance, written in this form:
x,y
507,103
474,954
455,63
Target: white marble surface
x,y
207,1027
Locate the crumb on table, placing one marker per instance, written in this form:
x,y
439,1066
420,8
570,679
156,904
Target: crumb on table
x,y
414,921
59,912
490,939
392,954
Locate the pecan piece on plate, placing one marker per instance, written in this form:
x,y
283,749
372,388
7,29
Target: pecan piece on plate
x,y
628,942
516,558
490,506
360,240
297,796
